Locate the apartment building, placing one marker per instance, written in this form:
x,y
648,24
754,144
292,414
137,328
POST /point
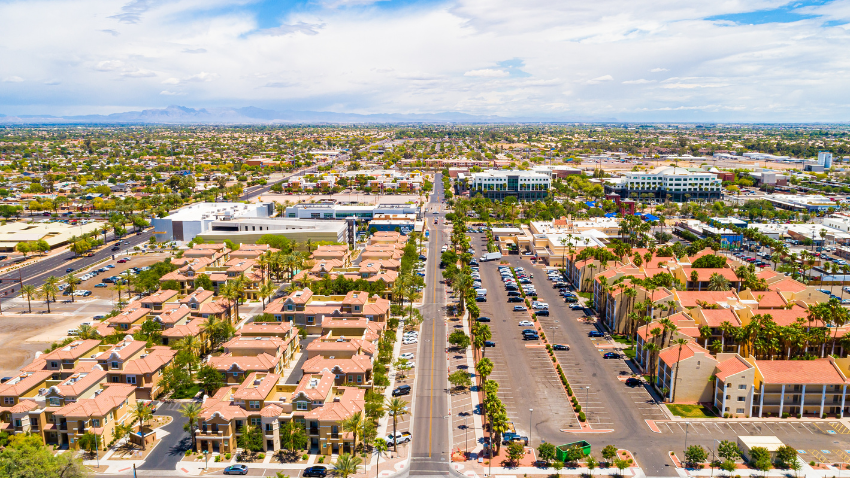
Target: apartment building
x,y
245,355
303,309
666,182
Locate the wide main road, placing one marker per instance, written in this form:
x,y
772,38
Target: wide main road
x,y
34,274
430,446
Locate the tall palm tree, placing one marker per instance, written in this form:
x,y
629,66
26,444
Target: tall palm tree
x,y
681,343
191,411
353,424
141,413
718,283
30,291
396,408
119,286
53,282
88,332
266,290
46,291
72,282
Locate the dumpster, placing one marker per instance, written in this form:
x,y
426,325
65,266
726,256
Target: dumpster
x,y
561,451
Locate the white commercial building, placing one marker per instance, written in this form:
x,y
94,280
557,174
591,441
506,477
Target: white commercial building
x,y
195,219
332,210
678,184
498,184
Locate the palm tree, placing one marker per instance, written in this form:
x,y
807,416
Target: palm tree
x,y
681,343
649,352
142,413
72,284
396,408
718,283
45,292
87,332
53,283
353,424
380,447
119,286
695,279
191,411
30,291
346,465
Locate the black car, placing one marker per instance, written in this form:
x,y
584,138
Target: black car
x,y
611,355
483,319
514,293
422,257
530,337
595,333
544,313
560,347
515,299
320,471
511,288
116,248
633,382
489,343
570,298
402,390
481,298
529,331
70,269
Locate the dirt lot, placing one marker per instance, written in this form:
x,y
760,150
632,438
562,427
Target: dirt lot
x,y
23,333
343,197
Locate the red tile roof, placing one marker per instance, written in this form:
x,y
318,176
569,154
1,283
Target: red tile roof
x,y
730,367
819,371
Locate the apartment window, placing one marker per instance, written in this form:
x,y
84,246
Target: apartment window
x,y
116,379
351,378
742,387
741,399
114,365
55,402
288,306
254,404
278,318
9,400
18,422
360,379
95,422
54,364
255,422
301,405
340,376
739,410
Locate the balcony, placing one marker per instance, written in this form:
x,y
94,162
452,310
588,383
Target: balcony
x,y
314,431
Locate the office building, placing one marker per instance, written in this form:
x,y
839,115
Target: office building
x,y
333,210
195,219
825,159
523,185
667,182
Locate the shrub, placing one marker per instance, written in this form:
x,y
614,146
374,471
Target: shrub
x,y
786,415
217,458
188,452
581,417
261,456
227,456
321,459
305,456
578,408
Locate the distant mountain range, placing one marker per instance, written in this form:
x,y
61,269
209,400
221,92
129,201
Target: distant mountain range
x,y
252,115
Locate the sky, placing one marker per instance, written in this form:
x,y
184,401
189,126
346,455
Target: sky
x,y
660,60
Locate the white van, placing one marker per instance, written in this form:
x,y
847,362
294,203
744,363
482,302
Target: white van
x,y
481,292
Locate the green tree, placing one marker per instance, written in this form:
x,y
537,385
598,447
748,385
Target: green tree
x,y
695,455
728,450
191,411
27,457
396,408
785,456
728,466
252,439
30,292
459,339
608,453
90,442
591,464
546,451
209,379
346,465
460,379
293,436
203,280
621,464
515,451
558,465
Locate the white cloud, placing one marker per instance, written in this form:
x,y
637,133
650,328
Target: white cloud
x,y
358,56
599,79
487,73
13,79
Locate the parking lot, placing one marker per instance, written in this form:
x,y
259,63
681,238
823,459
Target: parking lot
x,y
529,386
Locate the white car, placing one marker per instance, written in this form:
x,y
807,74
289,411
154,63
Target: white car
x,y
407,356
409,341
526,323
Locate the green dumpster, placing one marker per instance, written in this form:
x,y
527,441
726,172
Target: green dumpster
x,y
561,451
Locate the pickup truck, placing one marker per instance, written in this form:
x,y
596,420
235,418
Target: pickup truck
x,y
401,437
509,437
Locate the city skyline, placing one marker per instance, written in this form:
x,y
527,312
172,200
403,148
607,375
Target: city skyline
x,y
735,61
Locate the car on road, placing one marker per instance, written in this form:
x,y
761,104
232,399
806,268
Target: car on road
x,y
407,356
402,390
70,269
611,355
526,323
318,471
560,347
489,343
236,470
633,382
122,261
595,333
483,319
520,308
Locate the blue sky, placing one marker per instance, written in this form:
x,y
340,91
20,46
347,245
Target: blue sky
x,y
676,60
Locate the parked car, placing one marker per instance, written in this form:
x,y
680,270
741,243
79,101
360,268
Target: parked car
x,y
543,313
406,356
633,382
239,469
489,343
318,471
483,319
515,299
520,308
611,355
526,323
570,299
401,390
595,333
560,347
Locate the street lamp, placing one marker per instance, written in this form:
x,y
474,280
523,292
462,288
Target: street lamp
x,y
687,424
530,423
206,459
586,399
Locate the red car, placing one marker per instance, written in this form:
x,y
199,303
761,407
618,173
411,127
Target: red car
x,y
122,261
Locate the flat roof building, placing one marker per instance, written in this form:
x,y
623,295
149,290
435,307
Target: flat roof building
x,y
195,219
497,184
666,182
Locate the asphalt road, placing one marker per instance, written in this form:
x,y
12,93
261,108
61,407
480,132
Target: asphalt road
x,y
172,448
254,191
430,445
35,274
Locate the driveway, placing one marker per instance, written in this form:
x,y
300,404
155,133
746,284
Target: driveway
x,y
172,448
